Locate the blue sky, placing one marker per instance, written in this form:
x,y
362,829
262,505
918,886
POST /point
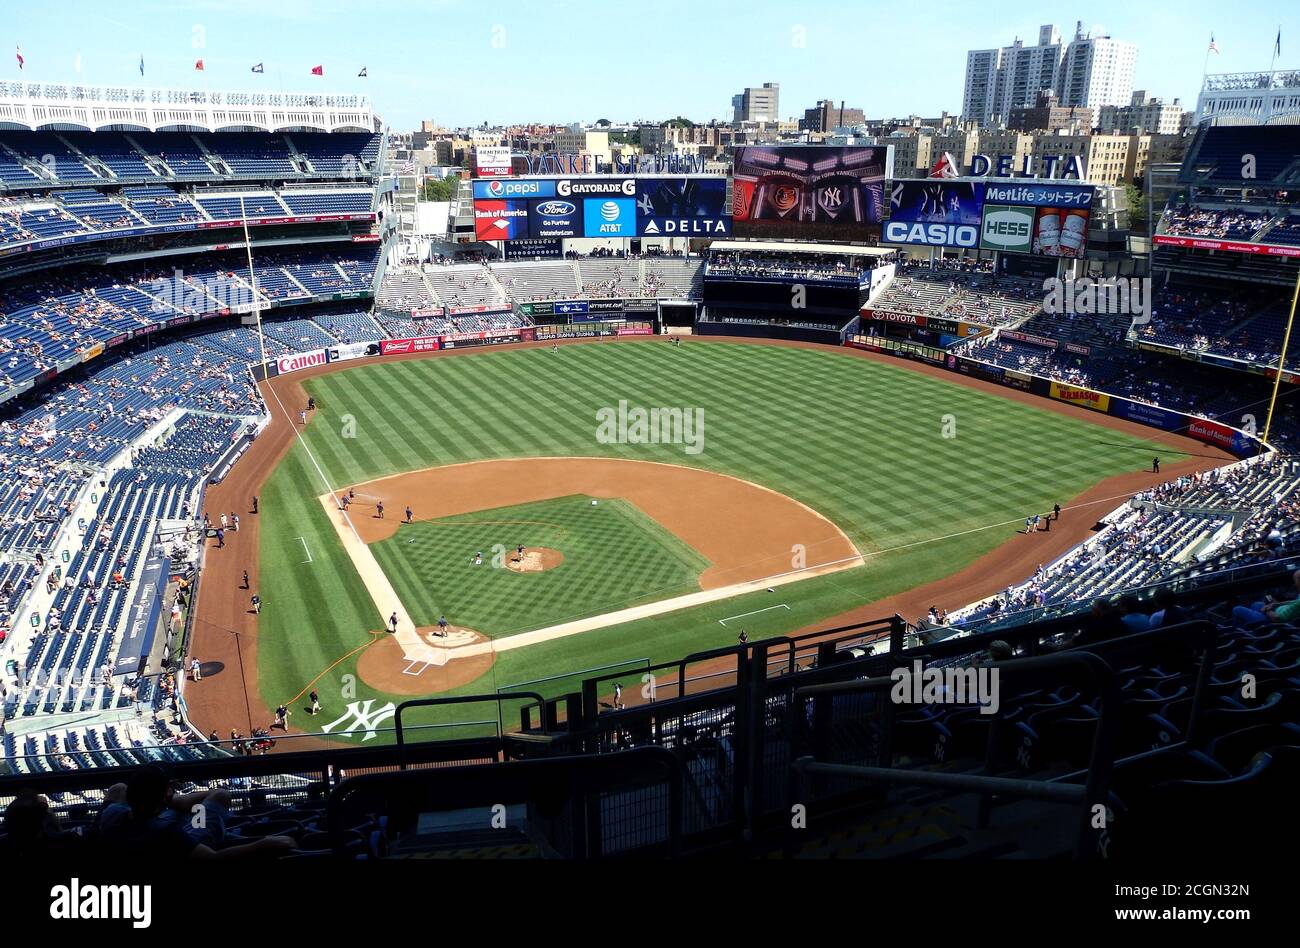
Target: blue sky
x,y
462,62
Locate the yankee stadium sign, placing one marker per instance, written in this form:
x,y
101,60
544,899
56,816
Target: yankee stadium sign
x,y
556,163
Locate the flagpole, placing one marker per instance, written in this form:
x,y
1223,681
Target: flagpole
x,y
252,277
1281,360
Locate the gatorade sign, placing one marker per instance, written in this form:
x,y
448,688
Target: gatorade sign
x,y
1007,228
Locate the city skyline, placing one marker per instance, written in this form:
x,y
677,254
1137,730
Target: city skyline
x,y
462,65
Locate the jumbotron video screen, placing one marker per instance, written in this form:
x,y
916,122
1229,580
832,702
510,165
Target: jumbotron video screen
x,y
809,192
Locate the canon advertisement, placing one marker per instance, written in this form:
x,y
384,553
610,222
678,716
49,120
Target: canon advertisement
x,y
809,192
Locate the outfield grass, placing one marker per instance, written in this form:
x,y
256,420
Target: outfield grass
x,y
614,556
859,441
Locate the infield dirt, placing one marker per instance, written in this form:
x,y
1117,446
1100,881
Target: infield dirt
x,y
219,701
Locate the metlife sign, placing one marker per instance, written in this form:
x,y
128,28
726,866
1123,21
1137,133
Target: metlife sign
x,y
1007,228
1033,194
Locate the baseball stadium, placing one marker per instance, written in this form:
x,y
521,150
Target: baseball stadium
x,y
643,505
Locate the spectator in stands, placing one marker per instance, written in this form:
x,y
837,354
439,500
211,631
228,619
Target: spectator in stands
x,y
31,830
1258,613
1169,613
145,817
1103,623
1131,614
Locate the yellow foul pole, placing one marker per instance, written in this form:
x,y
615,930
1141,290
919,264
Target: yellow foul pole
x,y
1281,362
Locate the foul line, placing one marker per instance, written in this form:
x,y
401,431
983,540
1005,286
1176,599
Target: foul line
x,y
374,637
754,613
307,551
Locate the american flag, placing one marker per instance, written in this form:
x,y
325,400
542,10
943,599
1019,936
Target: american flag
x,y
1214,47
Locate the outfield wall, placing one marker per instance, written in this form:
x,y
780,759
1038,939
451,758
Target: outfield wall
x,y
1233,440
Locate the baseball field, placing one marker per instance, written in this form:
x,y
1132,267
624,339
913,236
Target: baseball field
x,y
795,485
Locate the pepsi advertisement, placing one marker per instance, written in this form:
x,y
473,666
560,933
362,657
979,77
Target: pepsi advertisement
x,y
935,213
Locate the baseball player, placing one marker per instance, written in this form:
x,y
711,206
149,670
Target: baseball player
x,y
392,622
409,513
302,416
442,626
379,510
315,702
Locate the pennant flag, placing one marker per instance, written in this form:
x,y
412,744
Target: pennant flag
x,y
258,68
142,64
18,51
362,72
199,65
318,70
1277,44
1214,47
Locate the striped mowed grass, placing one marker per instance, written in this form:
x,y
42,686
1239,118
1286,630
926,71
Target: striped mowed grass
x,y
922,474
614,557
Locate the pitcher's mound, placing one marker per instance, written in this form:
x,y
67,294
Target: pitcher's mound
x,y
453,637
536,559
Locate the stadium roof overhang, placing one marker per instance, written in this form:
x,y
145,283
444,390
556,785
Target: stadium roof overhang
x,y
780,246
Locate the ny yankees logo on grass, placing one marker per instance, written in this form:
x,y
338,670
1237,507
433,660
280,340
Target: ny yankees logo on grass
x,y
360,717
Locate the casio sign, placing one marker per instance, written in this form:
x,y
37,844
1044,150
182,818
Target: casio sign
x,y
934,235
556,208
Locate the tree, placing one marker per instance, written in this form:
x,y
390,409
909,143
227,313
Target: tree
x,y
441,189
680,122
603,123
1137,207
